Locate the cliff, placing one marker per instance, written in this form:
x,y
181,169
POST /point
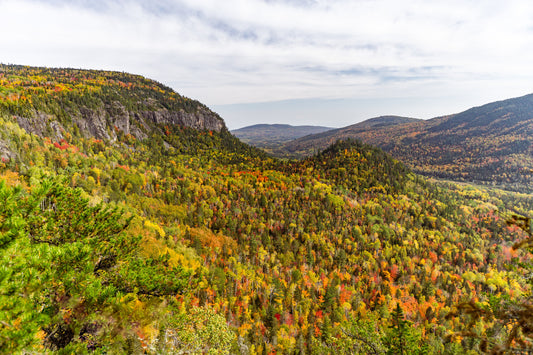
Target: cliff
x,y
100,104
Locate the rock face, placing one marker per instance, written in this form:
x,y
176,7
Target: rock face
x,y
93,123
107,121
202,119
5,152
42,125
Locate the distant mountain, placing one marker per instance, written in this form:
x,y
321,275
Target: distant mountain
x,y
310,144
487,144
269,136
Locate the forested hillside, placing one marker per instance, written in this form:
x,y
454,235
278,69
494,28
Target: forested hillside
x,y
490,144
98,104
186,240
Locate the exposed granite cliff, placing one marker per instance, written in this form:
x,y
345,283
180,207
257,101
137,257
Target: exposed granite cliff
x,y
5,151
106,121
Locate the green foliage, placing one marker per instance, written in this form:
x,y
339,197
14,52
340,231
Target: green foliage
x,y
359,167
10,222
200,331
402,338
57,215
363,336
66,268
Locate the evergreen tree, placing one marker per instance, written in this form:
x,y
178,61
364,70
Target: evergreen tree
x,y
401,338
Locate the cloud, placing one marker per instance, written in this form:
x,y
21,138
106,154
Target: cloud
x,y
243,51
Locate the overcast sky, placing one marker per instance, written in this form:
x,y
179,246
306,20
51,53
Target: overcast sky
x,y
322,62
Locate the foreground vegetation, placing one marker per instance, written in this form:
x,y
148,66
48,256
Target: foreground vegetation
x,y
191,241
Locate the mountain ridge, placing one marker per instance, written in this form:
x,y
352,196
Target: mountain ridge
x,y
96,103
489,144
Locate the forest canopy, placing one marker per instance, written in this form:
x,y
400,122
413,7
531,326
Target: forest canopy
x,y
189,240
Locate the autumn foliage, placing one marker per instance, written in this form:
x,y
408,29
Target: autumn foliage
x,y
188,236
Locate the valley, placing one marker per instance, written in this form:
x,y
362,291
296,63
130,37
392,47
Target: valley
x,y
490,144
271,137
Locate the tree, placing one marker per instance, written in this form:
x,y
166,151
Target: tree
x,y
401,337
364,337
66,266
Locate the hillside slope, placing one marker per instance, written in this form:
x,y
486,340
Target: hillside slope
x,y
488,144
99,104
313,143
190,241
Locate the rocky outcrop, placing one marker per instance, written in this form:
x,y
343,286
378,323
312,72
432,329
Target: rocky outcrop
x,y
5,152
107,121
202,119
92,123
120,117
43,125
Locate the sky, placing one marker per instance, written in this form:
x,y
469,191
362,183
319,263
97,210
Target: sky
x,y
300,62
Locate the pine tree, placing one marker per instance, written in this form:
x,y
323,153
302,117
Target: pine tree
x,y
401,339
